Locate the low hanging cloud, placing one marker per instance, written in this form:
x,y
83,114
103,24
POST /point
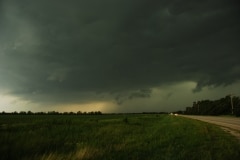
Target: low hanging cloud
x,y
55,52
121,97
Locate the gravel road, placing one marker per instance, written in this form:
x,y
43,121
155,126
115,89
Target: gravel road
x,y
229,124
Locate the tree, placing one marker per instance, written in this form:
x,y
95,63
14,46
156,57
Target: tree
x,y
221,106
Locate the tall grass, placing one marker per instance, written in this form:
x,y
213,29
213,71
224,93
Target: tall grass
x,y
113,137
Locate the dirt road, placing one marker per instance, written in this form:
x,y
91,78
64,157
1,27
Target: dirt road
x,y
229,124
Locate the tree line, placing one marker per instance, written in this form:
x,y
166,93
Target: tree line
x,y
229,105
51,113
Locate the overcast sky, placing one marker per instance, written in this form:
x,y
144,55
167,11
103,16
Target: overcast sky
x,y
117,55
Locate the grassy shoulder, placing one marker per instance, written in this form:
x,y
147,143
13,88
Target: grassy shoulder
x,y
113,137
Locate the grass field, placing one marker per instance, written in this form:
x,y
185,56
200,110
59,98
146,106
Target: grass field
x,y
105,137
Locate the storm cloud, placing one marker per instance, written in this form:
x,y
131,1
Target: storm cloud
x,y
63,52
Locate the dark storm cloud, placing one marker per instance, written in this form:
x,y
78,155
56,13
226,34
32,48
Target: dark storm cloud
x,y
121,97
69,50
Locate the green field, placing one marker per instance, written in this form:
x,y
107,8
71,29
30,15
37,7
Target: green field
x,y
104,137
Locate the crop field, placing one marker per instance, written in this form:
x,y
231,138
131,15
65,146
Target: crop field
x,y
116,137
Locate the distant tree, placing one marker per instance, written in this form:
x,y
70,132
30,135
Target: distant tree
x,y
22,113
236,105
79,113
71,113
237,109
91,113
98,112
179,112
217,107
30,113
3,112
40,113
52,113
188,110
15,113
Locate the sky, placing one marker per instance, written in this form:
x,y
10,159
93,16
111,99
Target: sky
x,y
117,55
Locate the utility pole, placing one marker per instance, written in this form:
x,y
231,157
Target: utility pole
x,y
198,107
231,102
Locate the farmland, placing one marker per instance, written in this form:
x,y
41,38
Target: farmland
x,y
123,136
